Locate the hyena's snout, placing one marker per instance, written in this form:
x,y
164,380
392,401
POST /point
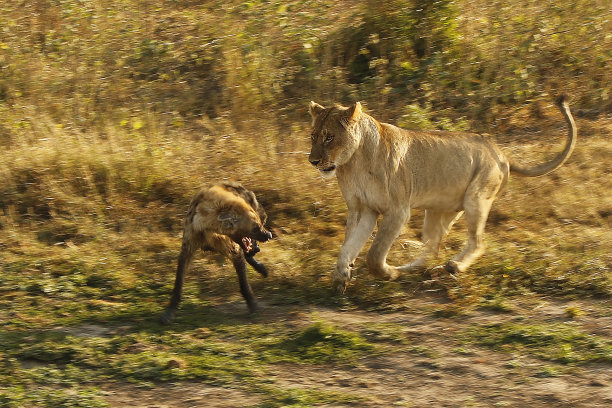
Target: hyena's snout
x,y
250,244
263,235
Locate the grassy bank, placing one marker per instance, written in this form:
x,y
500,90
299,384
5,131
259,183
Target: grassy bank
x,y
112,114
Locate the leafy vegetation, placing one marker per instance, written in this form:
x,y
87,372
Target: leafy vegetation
x,y
112,113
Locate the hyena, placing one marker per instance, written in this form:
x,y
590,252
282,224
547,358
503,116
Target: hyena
x,y
228,219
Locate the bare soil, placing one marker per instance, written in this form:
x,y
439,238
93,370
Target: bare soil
x,y
448,374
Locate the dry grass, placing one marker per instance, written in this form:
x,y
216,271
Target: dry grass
x,y
107,133
91,231
131,186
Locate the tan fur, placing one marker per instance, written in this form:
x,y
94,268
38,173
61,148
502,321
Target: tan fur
x,y
221,219
205,218
385,170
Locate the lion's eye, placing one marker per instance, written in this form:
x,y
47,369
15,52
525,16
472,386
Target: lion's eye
x,y
329,138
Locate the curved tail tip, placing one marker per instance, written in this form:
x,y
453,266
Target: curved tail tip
x,y
562,100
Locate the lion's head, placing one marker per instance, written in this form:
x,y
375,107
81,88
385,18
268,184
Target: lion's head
x,y
333,137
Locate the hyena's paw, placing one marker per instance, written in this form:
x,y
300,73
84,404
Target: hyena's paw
x,y
258,266
168,316
253,307
261,268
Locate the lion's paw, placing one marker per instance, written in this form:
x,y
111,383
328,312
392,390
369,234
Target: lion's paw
x,y
391,274
341,279
451,267
340,286
444,274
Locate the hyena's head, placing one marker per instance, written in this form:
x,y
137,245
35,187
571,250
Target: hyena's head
x,y
248,196
334,136
243,222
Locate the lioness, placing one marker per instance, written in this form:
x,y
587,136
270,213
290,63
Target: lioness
x,y
228,219
385,170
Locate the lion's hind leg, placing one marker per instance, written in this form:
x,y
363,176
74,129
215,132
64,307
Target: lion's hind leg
x,y
477,203
388,230
476,213
475,220
435,227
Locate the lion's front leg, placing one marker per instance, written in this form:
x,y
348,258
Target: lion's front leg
x,y
390,227
360,225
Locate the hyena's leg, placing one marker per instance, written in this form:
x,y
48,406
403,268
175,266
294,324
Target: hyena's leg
x,y
388,230
185,258
360,225
225,246
435,227
247,293
258,266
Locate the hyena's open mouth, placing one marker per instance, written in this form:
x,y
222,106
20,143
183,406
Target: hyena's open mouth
x,y
247,244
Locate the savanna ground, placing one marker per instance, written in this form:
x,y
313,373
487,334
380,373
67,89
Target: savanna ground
x,y
113,113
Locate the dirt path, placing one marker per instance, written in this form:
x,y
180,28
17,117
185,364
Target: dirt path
x,y
436,372
178,396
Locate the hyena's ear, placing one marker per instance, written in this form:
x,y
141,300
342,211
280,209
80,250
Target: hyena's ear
x,y
228,219
315,110
255,205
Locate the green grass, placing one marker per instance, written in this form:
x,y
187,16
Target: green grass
x,y
319,343
560,342
303,398
224,355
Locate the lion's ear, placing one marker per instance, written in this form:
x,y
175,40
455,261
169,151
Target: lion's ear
x,y
315,109
354,113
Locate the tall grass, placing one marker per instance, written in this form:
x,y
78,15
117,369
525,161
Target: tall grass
x,y
113,113
89,63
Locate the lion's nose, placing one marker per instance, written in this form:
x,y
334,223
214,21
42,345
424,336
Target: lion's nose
x,y
314,162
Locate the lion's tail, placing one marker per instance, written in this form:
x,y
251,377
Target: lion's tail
x,y
555,163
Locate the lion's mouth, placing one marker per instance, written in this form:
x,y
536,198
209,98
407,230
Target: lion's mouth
x,y
329,169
